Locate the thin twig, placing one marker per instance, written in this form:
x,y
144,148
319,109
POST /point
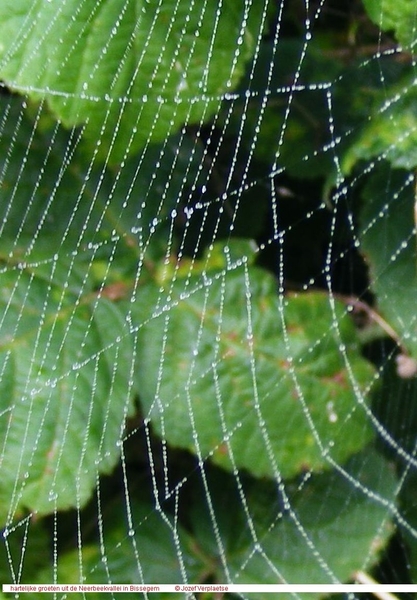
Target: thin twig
x,y
374,316
362,577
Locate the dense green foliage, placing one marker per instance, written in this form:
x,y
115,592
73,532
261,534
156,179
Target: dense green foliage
x,y
140,318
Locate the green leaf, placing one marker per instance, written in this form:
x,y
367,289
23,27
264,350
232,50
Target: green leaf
x,y
320,530
398,16
388,239
391,133
66,231
220,374
131,69
154,549
52,190
65,361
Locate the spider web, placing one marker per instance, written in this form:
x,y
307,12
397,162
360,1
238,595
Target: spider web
x,y
208,330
